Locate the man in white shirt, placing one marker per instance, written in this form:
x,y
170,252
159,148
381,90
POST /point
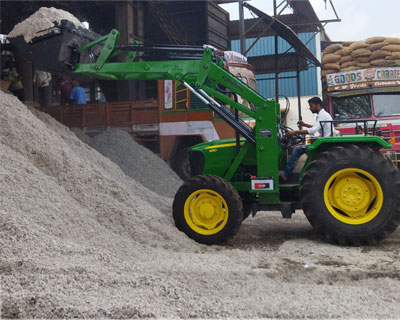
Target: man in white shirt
x,y
42,79
324,130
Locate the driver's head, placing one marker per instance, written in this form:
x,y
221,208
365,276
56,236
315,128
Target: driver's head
x,y
315,104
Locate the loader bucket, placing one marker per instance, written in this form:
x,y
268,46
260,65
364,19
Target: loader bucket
x,y
56,51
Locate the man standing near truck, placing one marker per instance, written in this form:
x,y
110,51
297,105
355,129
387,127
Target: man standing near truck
x,y
64,83
42,80
78,94
324,130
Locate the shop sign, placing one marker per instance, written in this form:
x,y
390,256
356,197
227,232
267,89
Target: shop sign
x,y
364,78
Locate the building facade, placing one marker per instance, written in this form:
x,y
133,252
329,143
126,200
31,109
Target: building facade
x,y
310,80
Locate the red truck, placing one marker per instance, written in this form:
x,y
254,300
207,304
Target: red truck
x,y
367,94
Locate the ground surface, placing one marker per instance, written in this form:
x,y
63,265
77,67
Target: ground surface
x,y
82,237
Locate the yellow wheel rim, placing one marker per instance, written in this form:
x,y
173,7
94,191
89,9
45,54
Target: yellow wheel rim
x,y
353,196
206,212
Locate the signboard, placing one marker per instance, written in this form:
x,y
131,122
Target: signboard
x,y
364,78
168,94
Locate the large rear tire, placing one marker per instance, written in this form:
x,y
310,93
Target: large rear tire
x,y
208,209
351,195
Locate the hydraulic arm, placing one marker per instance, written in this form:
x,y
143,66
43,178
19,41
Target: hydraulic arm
x,y
202,71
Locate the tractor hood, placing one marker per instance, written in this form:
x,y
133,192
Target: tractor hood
x,y
215,157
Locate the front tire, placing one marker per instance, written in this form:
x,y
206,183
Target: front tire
x,y
247,210
208,209
351,195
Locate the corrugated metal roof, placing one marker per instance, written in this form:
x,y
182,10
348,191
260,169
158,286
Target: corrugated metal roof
x,y
304,9
266,45
287,87
286,33
256,28
286,62
303,19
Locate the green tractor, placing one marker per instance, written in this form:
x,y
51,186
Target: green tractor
x,y
348,191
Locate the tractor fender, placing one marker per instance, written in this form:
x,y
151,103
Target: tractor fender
x,y
373,142
319,145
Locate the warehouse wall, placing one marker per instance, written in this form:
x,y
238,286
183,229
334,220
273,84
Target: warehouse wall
x,y
310,79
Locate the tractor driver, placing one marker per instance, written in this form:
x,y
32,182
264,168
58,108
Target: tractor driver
x,y
315,104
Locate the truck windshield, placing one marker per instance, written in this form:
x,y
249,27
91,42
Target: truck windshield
x,y
386,105
354,107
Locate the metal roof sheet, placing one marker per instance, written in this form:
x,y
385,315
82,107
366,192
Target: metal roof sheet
x,y
286,33
286,62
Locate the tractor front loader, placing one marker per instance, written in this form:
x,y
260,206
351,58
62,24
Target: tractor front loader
x,y
348,191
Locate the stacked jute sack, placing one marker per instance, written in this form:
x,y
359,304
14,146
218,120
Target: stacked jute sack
x,y
372,53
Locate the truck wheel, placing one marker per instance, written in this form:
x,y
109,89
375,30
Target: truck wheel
x,y
208,209
351,195
181,164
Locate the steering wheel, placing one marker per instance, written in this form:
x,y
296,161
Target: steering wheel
x,y
285,142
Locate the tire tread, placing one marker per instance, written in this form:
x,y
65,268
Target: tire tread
x,y
215,183
330,158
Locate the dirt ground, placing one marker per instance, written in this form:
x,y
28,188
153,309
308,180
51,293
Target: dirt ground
x,y
310,259
273,268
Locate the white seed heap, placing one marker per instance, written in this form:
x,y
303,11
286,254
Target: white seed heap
x,y
38,24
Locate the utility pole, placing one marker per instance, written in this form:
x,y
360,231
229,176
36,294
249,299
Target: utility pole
x,y
276,60
298,86
242,29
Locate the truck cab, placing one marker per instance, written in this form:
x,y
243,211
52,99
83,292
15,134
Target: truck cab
x,y
367,94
